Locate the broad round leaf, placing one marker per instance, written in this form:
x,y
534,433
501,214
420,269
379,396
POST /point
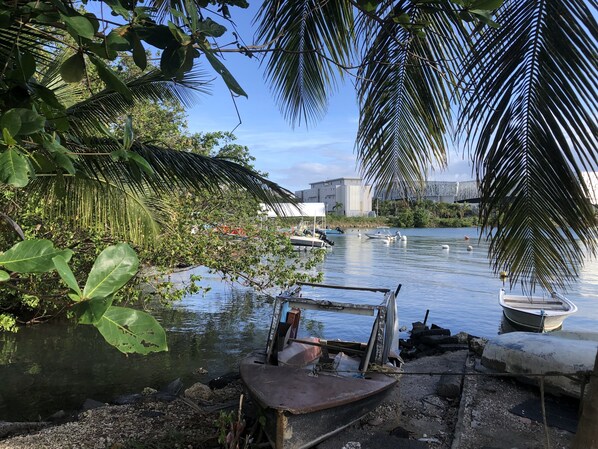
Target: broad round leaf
x,y
14,168
4,276
33,256
31,121
11,120
113,268
132,331
73,69
81,25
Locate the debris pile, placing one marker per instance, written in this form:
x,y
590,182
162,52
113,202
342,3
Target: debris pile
x,y
433,340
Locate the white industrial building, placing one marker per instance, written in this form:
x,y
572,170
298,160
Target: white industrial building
x,y
343,196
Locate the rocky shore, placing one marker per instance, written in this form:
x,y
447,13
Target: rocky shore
x,y
441,402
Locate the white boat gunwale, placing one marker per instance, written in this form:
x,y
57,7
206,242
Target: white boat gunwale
x,y
542,314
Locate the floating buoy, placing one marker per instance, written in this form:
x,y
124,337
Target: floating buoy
x,y
445,247
470,248
403,238
466,237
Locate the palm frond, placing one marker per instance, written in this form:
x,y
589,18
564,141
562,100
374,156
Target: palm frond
x,y
532,123
305,37
404,90
99,204
172,170
87,117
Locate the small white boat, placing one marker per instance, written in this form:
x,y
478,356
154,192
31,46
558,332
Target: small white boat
x,y
383,235
308,241
539,313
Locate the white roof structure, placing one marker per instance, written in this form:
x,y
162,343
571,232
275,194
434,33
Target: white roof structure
x,y
295,210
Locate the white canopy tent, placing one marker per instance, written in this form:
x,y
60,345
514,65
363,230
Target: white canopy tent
x,y
295,210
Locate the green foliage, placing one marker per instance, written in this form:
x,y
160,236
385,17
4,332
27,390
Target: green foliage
x,y
128,330
421,217
428,214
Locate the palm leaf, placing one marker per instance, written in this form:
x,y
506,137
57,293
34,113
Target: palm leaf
x,y
87,117
119,194
305,37
404,94
532,123
101,205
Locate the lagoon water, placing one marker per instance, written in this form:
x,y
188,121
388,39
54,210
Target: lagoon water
x,y
56,366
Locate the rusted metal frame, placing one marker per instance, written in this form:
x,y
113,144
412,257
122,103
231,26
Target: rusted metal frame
x,y
319,304
342,287
273,326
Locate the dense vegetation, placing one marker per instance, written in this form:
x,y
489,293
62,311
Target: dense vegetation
x,y
414,214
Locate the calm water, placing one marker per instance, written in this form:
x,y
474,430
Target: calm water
x,y
51,367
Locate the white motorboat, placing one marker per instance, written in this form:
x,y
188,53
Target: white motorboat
x,y
308,241
539,313
383,235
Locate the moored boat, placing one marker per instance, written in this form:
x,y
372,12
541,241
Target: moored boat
x,y
308,388
383,235
308,241
538,313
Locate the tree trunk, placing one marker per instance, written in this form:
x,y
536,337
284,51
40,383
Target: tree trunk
x,y
587,429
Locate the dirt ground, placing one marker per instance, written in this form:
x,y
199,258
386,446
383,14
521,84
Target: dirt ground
x,y
425,411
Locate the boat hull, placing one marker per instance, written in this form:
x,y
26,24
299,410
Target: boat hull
x,y
541,315
308,242
301,409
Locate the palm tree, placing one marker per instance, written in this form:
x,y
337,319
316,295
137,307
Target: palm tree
x,y
527,96
86,175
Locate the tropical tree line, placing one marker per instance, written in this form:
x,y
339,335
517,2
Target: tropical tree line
x,y
427,214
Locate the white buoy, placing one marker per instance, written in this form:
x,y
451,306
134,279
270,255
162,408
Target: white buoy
x,y
403,238
470,248
445,247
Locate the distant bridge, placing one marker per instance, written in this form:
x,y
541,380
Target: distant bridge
x,y
437,191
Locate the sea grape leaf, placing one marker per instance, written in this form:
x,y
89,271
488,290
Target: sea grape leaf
x,y
210,28
31,121
172,59
81,25
113,268
91,311
66,274
14,168
117,39
139,56
33,256
132,331
4,276
73,69
11,120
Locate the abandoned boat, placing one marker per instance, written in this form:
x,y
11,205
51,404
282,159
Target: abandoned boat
x,y
309,388
538,313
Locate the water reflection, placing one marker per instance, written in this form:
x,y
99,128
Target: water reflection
x,y
60,365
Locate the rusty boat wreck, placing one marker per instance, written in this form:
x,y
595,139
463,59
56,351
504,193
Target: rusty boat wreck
x,y
308,389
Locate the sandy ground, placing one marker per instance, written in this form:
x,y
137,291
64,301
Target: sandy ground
x,y
473,412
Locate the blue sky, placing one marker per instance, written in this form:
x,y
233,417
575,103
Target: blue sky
x,y
292,157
